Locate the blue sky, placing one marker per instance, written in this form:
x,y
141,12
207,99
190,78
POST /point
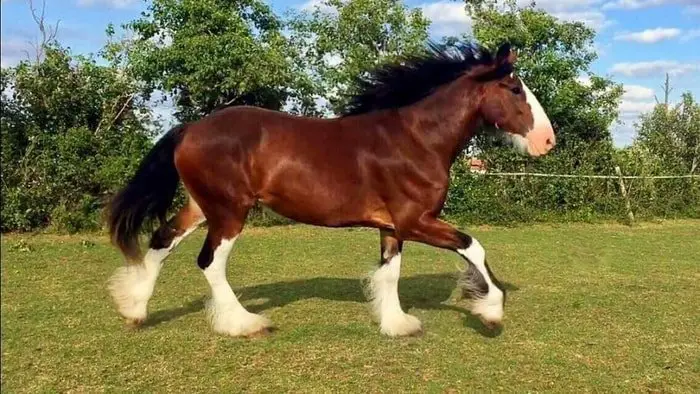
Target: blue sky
x,y
638,40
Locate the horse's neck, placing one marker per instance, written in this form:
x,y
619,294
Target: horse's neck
x,y
445,121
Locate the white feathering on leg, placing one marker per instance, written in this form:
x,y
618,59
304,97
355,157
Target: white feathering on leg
x,y
225,313
131,286
384,296
490,307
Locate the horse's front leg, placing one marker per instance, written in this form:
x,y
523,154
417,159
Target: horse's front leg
x,y
384,290
478,284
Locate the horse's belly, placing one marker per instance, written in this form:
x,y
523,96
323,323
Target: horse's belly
x,y
325,207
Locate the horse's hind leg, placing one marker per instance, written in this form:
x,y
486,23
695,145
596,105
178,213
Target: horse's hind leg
x,y
224,311
131,286
384,290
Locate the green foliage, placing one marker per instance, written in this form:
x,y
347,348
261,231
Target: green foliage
x,y
215,52
506,200
72,131
668,143
673,135
340,40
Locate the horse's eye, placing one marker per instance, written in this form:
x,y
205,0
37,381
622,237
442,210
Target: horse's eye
x,y
516,90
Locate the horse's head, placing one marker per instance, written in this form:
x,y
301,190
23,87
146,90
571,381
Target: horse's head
x,y
509,105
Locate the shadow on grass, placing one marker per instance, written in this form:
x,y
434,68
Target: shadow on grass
x,y
167,315
431,292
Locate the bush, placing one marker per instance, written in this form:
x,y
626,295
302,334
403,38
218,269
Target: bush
x,y
478,199
72,135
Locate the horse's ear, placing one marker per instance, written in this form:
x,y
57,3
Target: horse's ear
x,y
506,54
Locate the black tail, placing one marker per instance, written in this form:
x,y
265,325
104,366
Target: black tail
x,y
148,195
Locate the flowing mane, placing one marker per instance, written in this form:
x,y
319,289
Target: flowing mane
x,y
416,76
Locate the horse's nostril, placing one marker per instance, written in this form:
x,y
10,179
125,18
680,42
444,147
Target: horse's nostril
x,y
549,142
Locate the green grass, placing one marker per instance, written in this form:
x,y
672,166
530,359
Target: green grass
x,y
592,308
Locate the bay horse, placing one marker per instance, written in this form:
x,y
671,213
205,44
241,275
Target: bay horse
x,y
384,163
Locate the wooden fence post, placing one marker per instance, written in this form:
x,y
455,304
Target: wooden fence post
x,y
623,190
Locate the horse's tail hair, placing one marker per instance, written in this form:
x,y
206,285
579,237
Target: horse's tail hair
x,y
148,195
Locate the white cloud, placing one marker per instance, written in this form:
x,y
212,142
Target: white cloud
x,y
450,18
584,80
629,113
623,134
693,9
573,11
312,5
637,92
653,68
631,4
560,5
649,36
591,18
13,50
636,100
634,108
447,18
108,3
638,4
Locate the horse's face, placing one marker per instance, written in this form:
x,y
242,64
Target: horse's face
x,y
509,105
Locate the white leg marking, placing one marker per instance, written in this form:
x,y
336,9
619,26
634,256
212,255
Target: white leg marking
x,y
225,312
131,286
384,287
490,307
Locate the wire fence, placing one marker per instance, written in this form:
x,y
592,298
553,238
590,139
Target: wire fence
x,y
534,174
484,196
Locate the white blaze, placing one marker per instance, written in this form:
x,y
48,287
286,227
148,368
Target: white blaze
x,y
540,117
540,137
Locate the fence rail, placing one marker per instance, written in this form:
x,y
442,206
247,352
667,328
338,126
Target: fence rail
x,y
534,174
619,177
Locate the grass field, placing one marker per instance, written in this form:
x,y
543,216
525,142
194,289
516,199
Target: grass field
x,y
591,308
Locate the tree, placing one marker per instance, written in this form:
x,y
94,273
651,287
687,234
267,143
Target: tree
x,y
72,132
213,53
553,55
341,40
673,135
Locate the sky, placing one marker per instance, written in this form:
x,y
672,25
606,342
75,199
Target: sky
x,y
637,40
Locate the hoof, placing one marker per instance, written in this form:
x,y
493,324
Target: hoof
x,y
403,325
134,322
130,288
492,325
262,333
235,321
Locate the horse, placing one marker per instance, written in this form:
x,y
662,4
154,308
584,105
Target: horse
x,y
382,163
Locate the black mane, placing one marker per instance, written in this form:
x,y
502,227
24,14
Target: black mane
x,y
416,76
